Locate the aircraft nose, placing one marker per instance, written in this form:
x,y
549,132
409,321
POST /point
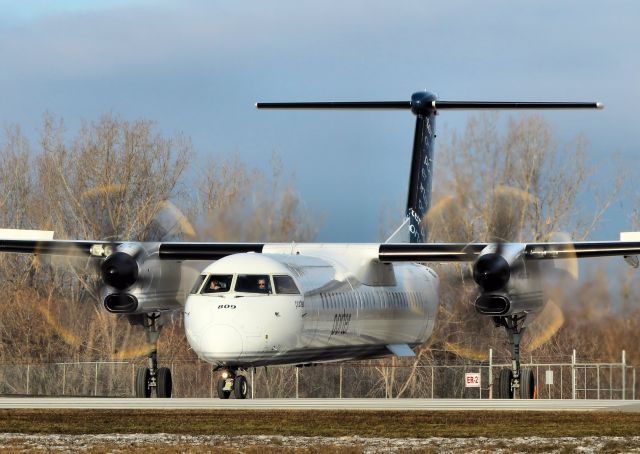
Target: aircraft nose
x,y
219,342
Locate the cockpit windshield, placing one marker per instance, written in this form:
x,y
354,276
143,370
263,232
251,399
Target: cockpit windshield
x,y
261,284
218,283
285,285
198,283
253,283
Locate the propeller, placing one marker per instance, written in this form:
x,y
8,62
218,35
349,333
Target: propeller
x,y
121,268
501,265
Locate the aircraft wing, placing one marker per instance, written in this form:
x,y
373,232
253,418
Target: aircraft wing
x,y
388,252
166,251
465,252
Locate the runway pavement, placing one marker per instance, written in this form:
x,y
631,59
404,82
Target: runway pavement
x,y
321,404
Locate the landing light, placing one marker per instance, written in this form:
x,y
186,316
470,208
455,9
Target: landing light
x,y
225,375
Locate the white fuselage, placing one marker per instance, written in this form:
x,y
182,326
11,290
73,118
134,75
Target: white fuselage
x,y
348,306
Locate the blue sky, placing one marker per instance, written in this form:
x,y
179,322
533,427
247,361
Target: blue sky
x,y
198,67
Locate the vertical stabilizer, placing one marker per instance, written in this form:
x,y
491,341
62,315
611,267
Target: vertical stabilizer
x,y
419,198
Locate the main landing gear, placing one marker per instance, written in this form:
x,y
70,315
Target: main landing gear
x,y
231,382
152,378
516,382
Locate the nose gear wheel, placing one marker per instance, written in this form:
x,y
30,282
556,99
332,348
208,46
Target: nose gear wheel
x,y
234,383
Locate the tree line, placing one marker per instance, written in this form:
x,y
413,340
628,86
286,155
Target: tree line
x,y
115,179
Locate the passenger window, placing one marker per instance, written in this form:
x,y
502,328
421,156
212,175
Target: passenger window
x,y
198,283
218,283
253,283
285,286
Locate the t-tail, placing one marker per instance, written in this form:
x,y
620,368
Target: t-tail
x,y
424,106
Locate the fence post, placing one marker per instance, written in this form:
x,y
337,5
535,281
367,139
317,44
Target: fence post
x,y
611,381
633,392
598,379
573,374
624,375
211,384
64,377
95,385
340,395
297,380
28,370
491,373
253,369
432,381
180,388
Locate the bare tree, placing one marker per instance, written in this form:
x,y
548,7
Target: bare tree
x,y
516,185
520,186
111,180
238,203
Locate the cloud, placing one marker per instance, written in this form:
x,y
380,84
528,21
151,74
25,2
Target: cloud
x,y
354,37
198,66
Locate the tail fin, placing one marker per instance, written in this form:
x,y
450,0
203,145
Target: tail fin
x,y
424,106
419,198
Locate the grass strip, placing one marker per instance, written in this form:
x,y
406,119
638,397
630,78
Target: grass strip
x,y
322,423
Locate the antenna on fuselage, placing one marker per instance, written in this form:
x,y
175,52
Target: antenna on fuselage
x,y
424,106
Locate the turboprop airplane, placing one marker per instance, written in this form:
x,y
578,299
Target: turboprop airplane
x,y
250,304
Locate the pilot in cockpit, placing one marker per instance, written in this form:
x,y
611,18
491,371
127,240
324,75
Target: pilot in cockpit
x,y
214,285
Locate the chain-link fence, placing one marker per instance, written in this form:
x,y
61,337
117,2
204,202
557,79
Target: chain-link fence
x,y
554,380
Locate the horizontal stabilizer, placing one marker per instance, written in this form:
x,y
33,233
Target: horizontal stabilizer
x,y
490,105
400,350
431,104
393,105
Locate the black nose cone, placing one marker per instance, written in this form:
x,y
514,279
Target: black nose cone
x,y
119,270
491,272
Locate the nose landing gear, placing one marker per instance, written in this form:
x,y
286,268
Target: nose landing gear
x,y
230,382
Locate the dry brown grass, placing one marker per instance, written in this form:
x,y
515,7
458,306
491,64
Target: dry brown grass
x,y
323,423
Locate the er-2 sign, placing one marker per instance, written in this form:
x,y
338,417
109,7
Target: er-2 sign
x,y
472,380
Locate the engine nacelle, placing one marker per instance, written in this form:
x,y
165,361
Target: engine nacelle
x,y
510,284
137,281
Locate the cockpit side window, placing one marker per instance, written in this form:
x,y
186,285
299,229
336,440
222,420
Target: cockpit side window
x,y
218,283
253,283
198,283
285,286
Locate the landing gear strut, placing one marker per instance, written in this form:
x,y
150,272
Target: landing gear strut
x,y
515,382
231,382
152,377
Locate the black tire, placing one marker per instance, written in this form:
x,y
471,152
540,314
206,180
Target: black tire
x,y
240,387
527,384
164,383
222,394
143,377
504,386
